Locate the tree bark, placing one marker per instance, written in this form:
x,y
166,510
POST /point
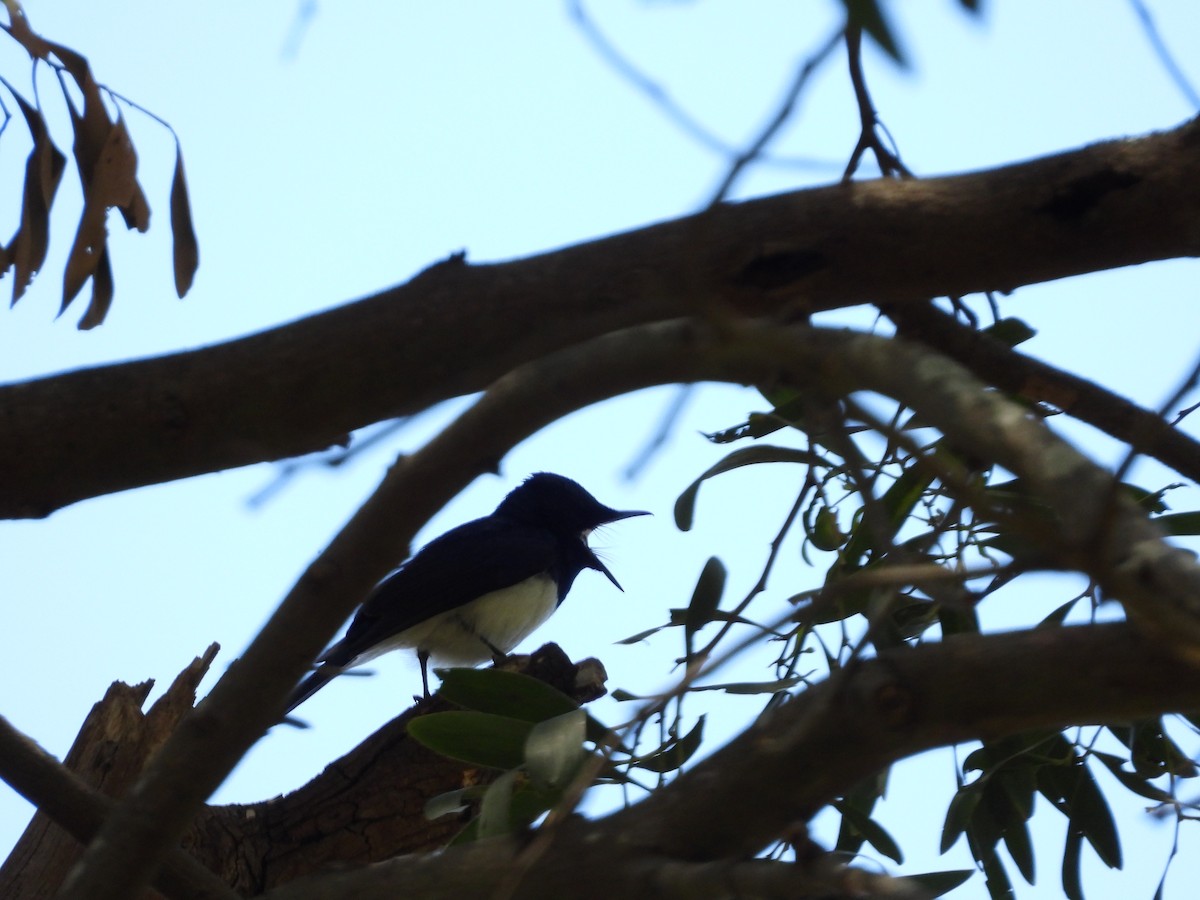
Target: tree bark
x,y
1094,529
768,781
369,806
106,758
365,807
455,328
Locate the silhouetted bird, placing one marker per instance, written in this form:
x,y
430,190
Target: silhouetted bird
x,y
476,592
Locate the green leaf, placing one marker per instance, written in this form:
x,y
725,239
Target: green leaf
x,y
452,802
1007,802
1152,502
982,836
914,618
898,501
1091,816
1072,885
868,15
554,749
685,506
642,635
495,812
1152,752
1010,331
675,753
872,831
1180,524
753,687
706,598
512,694
1075,794
1019,784
1059,615
957,619
939,883
1130,780
825,533
1016,841
857,803
958,814
502,693
526,803
475,738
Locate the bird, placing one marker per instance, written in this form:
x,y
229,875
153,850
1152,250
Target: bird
x,y
477,591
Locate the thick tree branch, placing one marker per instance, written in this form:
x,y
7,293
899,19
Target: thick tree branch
x,y
367,806
481,866
1095,530
1006,368
807,752
62,793
457,327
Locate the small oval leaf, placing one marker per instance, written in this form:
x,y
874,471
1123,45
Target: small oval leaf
x,y
185,250
503,693
475,738
706,598
554,749
676,753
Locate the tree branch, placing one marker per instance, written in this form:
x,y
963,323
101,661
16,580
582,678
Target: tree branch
x,y
456,327
794,761
62,792
1094,530
1144,430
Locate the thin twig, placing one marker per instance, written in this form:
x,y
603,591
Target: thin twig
x,y
77,808
673,111
754,150
868,139
1150,29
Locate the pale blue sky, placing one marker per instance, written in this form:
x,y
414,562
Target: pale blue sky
x,y
395,134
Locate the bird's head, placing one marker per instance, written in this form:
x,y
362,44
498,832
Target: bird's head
x,y
563,506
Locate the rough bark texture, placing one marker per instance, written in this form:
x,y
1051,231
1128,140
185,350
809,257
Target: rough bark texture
x,y
771,778
108,754
365,807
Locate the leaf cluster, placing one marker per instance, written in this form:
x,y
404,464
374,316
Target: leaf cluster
x,y
106,162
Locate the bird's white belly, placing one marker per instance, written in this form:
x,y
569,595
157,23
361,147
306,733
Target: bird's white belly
x,y
502,619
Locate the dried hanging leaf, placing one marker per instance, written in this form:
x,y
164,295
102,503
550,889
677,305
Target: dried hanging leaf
x,y
112,184
107,165
43,172
85,253
136,212
93,125
102,294
185,249
18,29
53,163
115,176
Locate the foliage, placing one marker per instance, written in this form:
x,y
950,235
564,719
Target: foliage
x,y
106,162
908,534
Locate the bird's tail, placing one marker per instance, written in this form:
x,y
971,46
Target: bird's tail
x,y
317,679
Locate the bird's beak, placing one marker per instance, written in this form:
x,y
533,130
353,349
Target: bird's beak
x,y
600,567
615,516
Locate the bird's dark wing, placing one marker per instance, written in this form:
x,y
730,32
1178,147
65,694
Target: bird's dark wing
x,y
465,563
